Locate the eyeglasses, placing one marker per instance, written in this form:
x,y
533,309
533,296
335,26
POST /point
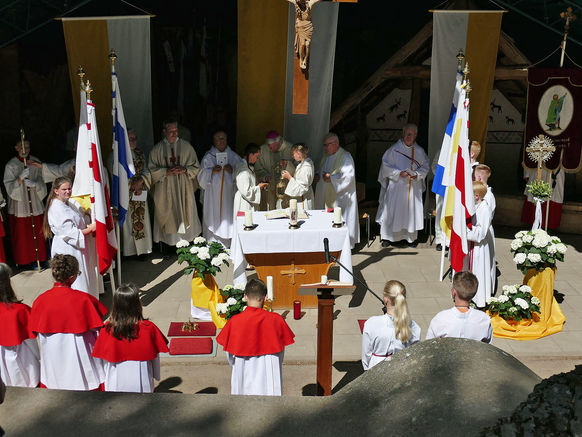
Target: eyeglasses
x,y
328,144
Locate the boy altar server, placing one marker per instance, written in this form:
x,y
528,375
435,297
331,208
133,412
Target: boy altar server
x,y
254,342
462,321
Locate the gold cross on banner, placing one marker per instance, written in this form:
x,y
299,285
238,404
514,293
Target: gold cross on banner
x,y
292,271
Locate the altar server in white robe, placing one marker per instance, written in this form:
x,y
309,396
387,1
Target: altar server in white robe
x,y
52,171
71,235
299,185
216,178
387,334
336,185
129,345
19,181
248,192
481,257
174,166
19,354
254,342
67,322
402,174
482,173
462,321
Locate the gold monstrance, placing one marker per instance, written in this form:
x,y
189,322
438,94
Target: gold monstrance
x,y
540,149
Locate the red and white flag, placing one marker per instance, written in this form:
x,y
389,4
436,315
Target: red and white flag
x,y
90,180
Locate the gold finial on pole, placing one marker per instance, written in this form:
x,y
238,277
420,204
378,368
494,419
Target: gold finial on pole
x,y
88,90
112,56
460,60
468,88
466,70
568,16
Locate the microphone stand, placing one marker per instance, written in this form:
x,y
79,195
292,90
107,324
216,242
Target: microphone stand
x,y
334,259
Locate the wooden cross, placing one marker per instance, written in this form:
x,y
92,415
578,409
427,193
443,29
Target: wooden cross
x,y
540,149
301,76
292,271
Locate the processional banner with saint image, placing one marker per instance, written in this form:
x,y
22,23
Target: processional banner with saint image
x,y
553,96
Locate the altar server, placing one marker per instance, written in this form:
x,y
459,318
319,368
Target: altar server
x,y
19,355
67,322
395,330
336,185
255,341
20,181
462,321
401,177
130,345
248,192
482,173
216,178
299,186
481,257
174,166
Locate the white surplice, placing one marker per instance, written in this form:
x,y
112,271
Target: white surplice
x,y
219,189
342,190
66,223
66,362
258,375
132,376
473,324
481,257
299,186
400,210
19,365
379,340
248,193
17,193
50,172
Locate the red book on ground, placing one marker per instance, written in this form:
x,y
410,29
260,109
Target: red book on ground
x,y
205,329
191,346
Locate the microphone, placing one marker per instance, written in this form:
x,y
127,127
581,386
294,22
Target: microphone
x,y
326,249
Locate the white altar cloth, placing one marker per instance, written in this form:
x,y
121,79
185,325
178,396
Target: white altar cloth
x,y
274,236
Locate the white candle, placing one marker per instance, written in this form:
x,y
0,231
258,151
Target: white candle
x,y
292,203
270,287
337,215
248,219
323,279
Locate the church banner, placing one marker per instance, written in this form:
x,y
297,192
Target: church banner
x,y
554,95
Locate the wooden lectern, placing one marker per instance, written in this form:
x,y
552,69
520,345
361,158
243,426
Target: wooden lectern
x,y
326,294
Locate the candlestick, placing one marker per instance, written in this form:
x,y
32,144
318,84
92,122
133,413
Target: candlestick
x,y
337,215
248,219
270,287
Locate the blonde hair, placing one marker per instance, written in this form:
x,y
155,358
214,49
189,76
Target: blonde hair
x,y
475,148
483,167
395,291
46,228
479,188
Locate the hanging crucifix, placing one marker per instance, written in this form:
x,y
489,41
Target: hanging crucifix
x,y
303,36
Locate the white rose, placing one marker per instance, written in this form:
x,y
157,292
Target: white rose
x,y
512,289
525,289
535,300
556,240
182,243
534,257
516,244
522,303
528,238
231,301
552,249
503,298
199,240
216,262
561,248
537,232
223,257
519,258
194,250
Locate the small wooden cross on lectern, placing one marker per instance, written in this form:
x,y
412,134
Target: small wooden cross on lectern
x,y
303,34
540,149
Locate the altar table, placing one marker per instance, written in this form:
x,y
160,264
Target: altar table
x,y
291,256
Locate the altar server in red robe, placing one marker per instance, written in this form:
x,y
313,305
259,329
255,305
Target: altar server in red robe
x,y
19,355
67,322
130,345
255,341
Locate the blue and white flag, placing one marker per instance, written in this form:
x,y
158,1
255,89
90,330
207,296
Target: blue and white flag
x,y
123,169
443,170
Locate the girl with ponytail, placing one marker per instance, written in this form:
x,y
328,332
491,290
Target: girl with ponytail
x,y
395,330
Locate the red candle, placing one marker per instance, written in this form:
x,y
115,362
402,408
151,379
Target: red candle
x,y
297,309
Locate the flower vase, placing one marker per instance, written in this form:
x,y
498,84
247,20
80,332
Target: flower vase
x,y
204,297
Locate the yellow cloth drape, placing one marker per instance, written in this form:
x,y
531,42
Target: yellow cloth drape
x,y
551,318
206,294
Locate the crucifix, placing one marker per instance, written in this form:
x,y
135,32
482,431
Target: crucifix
x,y
569,16
303,35
540,149
292,272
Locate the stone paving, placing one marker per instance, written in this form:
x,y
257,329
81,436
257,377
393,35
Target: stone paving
x,y
166,291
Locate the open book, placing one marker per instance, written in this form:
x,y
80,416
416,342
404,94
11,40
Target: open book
x,y
284,213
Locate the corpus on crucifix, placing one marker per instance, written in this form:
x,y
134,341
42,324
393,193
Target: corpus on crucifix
x,y
303,29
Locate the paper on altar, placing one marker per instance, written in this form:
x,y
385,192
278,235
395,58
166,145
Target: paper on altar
x,y
140,197
284,213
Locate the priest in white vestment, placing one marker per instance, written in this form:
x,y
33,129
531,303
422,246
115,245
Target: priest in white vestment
x,y
299,185
462,321
275,155
216,178
174,166
248,192
402,174
19,181
336,185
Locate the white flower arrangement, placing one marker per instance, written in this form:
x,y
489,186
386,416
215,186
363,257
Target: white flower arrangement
x,y
536,250
235,300
203,257
515,303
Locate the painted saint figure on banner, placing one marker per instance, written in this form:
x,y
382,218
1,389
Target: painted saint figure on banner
x,y
555,110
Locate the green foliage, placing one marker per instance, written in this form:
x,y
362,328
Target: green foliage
x,y
540,190
229,308
515,303
202,257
